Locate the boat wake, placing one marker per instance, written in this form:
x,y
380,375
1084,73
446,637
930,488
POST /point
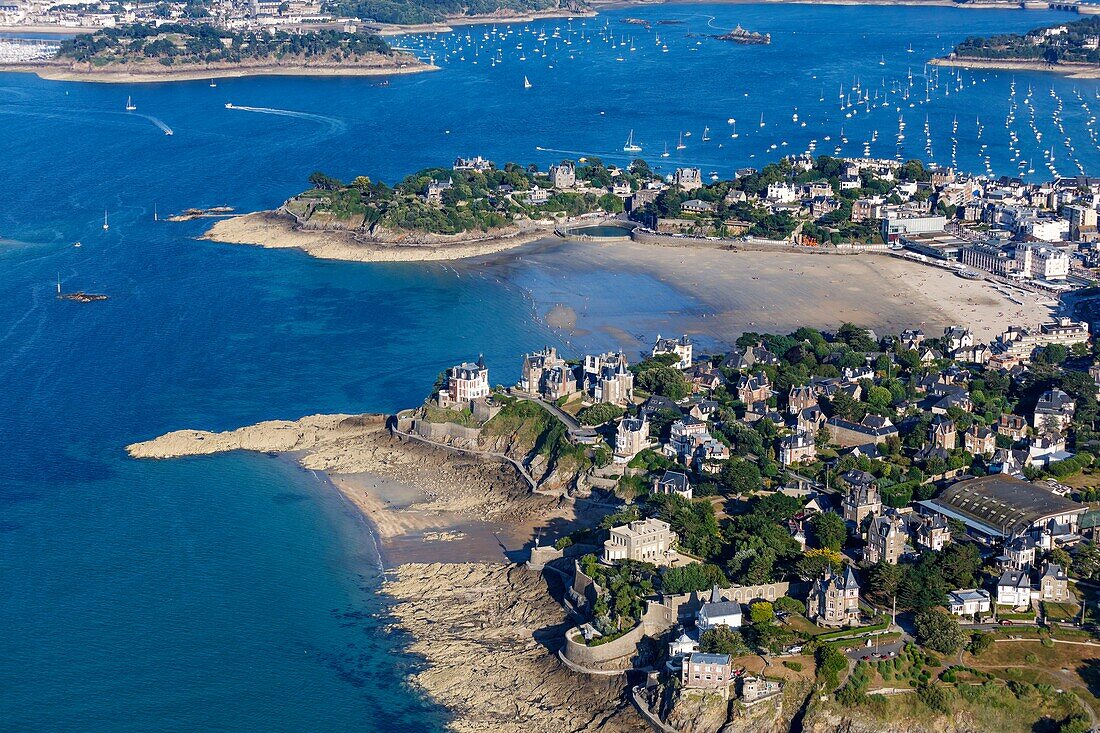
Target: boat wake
x,y
334,124
159,123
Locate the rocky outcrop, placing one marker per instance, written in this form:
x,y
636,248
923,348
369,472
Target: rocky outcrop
x,y
694,712
490,658
354,444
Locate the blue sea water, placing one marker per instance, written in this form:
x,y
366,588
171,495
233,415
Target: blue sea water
x,y
237,592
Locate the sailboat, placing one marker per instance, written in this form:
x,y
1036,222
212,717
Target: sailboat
x,y
631,146
526,82
665,154
106,226
761,119
213,84
130,106
733,124
680,145
706,134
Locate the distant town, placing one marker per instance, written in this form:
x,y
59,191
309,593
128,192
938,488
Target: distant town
x,y
864,512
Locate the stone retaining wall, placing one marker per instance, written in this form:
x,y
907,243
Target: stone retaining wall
x,y
442,431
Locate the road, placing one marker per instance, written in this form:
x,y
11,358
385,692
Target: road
x,y
577,432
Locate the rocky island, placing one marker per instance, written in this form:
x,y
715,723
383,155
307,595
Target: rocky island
x,y
746,37
174,51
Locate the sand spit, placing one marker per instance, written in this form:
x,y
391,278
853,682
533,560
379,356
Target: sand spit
x,y
491,656
274,231
1072,70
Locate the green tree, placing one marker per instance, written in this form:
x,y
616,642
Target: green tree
x,y
740,476
762,612
939,631
829,530
882,582
723,640
317,179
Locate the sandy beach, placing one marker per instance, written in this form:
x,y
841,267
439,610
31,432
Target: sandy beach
x,y
424,503
1072,70
395,29
270,230
719,294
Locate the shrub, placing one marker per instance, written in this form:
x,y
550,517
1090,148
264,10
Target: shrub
x,y
599,414
937,697
980,642
793,666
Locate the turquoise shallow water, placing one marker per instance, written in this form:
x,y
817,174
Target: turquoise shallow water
x,y
237,592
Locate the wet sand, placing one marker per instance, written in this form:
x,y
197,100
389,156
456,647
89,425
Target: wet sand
x,y
623,294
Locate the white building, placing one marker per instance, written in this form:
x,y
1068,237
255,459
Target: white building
x,y
1042,262
969,601
1014,589
718,612
644,540
781,193
465,383
681,347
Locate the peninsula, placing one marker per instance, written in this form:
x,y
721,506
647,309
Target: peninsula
x,y
472,208
809,526
171,52
1072,49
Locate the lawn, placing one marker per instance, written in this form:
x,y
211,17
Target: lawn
x,y
1060,611
1062,665
992,707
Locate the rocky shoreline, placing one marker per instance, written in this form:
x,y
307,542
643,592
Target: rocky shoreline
x,y
491,657
419,487
141,73
273,230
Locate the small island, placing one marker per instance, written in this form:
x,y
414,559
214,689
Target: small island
x,y
1069,48
746,37
141,52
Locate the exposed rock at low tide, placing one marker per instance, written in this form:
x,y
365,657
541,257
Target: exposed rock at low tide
x,y
491,653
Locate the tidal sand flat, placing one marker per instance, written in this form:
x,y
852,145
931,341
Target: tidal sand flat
x,y
623,294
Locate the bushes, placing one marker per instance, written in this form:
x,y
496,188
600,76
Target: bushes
x,y
980,642
599,414
693,577
793,666
830,663
854,691
936,697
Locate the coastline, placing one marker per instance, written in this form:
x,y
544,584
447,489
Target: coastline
x,y
130,75
1073,71
272,230
611,4
449,24
491,657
